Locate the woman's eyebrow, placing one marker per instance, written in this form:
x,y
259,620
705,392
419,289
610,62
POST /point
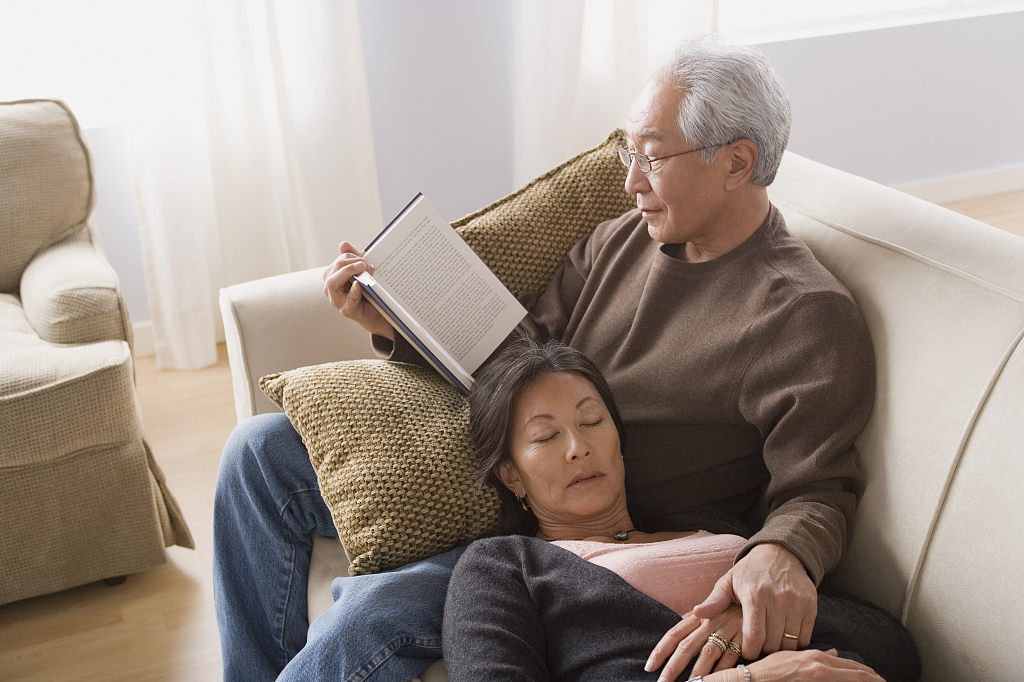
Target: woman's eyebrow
x,y
548,416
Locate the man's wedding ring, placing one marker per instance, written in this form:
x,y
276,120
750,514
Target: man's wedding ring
x,y
789,636
719,641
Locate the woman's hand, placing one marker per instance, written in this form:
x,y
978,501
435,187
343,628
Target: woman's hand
x,y
809,665
346,294
689,637
778,599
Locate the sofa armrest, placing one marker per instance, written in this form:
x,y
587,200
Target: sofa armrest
x,y
280,323
70,294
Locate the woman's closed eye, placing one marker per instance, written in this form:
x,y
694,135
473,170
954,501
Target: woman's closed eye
x,y
545,439
542,438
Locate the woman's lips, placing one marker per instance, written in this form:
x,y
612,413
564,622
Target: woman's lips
x,y
584,478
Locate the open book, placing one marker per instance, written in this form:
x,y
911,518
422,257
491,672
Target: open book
x,y
438,293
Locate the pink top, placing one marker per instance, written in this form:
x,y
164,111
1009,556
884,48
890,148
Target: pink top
x,y
678,573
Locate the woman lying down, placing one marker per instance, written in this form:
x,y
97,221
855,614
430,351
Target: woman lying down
x,y
582,588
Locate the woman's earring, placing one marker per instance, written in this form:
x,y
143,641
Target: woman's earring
x,y
522,501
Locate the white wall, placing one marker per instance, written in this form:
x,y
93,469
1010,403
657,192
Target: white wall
x,y
118,223
909,105
439,76
902,106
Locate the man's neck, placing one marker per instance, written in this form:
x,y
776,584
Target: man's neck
x,y
744,215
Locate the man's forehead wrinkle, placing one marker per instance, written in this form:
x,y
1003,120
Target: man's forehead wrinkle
x,y
645,134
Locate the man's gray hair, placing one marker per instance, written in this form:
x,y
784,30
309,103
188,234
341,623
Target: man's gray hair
x,y
731,92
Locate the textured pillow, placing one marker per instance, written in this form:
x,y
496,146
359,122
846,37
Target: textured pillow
x,y
524,237
388,440
389,446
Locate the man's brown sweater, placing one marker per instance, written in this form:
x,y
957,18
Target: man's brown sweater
x,y
750,369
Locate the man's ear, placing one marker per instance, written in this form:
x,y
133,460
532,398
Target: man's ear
x,y
507,474
742,155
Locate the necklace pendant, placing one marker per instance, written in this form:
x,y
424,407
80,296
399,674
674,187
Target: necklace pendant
x,y
622,535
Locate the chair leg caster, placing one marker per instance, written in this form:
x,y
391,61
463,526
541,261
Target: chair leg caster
x,y
118,580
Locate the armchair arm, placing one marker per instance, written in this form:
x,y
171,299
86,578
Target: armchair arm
x,y
280,323
70,294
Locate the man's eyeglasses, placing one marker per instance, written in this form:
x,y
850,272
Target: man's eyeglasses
x,y
643,161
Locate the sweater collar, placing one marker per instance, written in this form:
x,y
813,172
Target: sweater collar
x,y
770,225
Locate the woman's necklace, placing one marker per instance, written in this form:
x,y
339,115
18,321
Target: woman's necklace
x,y
623,535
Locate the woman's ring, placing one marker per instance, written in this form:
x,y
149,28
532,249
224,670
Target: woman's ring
x,y
719,641
789,636
736,648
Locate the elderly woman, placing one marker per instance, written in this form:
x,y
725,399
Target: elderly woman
x,y
583,584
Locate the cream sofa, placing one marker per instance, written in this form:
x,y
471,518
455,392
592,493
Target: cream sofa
x,y
939,540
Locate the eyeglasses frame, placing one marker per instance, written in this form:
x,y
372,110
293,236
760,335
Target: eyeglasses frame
x,y
643,158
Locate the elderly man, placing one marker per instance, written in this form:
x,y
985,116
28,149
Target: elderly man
x,y
743,368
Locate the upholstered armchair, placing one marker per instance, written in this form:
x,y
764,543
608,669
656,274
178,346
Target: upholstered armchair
x,y
81,496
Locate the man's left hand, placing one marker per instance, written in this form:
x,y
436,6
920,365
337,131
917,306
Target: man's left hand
x,y
777,596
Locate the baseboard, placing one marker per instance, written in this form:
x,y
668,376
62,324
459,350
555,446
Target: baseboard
x,y
950,188
143,339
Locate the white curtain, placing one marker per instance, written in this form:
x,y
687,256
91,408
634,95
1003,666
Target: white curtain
x,y
249,129
580,63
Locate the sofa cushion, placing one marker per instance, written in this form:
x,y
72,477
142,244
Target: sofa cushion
x,y
388,441
47,188
56,400
71,295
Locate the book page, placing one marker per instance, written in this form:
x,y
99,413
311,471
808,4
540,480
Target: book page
x,y
427,267
407,326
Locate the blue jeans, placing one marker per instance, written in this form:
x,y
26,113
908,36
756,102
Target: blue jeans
x,y
381,628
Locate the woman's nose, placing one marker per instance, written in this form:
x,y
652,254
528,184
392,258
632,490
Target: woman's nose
x,y
578,446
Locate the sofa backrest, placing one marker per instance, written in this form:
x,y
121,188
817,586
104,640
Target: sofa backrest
x,y
46,182
938,539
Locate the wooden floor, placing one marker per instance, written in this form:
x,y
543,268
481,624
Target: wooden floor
x,y
160,624
1005,211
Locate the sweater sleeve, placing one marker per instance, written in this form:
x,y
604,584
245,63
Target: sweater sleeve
x,y
810,389
399,350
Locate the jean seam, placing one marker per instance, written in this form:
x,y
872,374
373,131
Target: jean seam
x,y
389,651
292,495
282,614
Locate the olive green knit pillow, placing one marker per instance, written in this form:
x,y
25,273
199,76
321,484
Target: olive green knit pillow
x,y
389,446
388,440
524,237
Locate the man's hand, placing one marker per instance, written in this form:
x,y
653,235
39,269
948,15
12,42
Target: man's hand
x,y
777,597
346,294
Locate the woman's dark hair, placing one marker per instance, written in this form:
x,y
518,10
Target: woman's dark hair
x,y
491,405
492,402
